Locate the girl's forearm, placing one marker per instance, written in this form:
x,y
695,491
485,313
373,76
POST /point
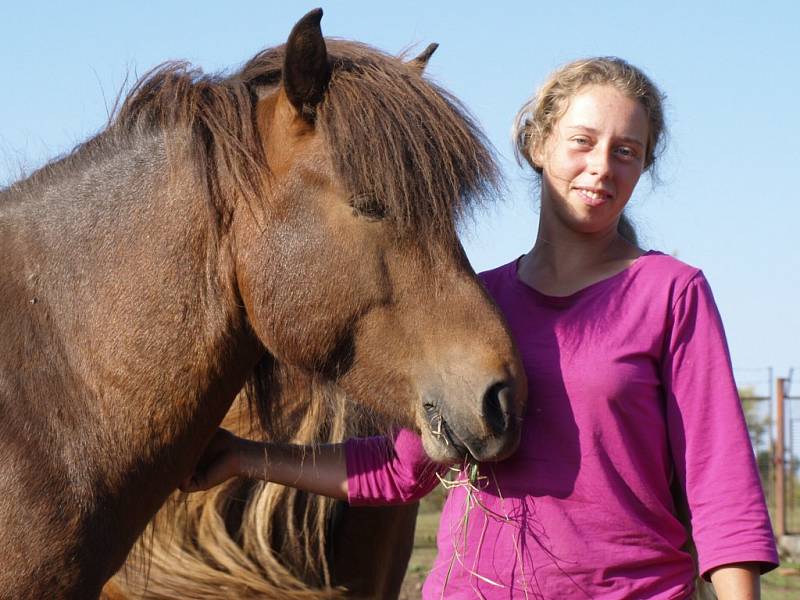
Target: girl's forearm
x,y
737,582
320,470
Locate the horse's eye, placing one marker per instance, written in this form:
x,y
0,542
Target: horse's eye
x,y
368,207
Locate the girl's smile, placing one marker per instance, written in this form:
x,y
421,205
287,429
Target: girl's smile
x,y
594,197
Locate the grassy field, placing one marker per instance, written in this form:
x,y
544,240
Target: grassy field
x,y
781,584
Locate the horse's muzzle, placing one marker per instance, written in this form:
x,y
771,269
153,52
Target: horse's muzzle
x,y
490,433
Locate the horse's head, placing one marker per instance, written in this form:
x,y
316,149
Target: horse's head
x,y
351,266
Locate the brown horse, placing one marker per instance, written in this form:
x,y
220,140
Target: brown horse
x,y
251,541
302,211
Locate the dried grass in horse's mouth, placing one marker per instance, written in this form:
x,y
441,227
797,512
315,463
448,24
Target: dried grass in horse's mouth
x,y
469,477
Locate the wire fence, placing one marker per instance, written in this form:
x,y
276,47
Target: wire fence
x,y
772,407
791,454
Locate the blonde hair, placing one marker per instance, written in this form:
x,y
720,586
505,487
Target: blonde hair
x,y
537,117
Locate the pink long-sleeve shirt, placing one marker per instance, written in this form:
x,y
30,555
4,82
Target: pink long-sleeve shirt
x,y
630,385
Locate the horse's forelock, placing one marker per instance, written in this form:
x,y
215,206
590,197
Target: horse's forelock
x,y
402,146
403,143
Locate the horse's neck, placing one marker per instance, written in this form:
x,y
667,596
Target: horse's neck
x,y
126,300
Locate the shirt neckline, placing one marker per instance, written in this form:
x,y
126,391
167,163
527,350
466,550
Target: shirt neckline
x,y
574,296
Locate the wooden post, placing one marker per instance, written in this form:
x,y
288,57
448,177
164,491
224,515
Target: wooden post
x,y
780,467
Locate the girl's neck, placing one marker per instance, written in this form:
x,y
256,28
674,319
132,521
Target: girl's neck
x,y
563,261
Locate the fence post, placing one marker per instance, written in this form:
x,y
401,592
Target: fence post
x,y
780,467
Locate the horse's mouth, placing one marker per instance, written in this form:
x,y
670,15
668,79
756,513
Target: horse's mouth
x,y
441,431
451,441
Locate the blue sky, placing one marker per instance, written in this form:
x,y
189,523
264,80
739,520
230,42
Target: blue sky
x,y
728,197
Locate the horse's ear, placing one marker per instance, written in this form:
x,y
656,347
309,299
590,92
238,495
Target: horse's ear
x,y
421,61
306,70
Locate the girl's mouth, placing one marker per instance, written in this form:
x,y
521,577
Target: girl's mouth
x,y
593,197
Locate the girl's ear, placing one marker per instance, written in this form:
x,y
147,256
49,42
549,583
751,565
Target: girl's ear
x,y
537,156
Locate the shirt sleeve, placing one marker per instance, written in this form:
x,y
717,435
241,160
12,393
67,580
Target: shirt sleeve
x,y
708,437
382,470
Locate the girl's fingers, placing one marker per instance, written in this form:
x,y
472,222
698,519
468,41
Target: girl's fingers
x,y
210,469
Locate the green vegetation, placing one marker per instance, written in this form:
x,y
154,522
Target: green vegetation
x,y
782,584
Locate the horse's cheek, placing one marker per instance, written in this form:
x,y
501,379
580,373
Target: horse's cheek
x,y
299,290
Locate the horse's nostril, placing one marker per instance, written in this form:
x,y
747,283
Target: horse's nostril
x,y
498,407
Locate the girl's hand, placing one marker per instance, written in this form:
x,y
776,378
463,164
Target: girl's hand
x,y
318,469
219,462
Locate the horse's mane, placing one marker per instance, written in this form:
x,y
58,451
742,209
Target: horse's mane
x,y
404,148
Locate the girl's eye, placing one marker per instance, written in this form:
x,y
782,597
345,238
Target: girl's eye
x,y
580,140
626,152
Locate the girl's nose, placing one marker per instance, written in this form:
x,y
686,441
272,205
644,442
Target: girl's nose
x,y
598,161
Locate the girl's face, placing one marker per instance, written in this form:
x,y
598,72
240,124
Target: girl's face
x,y
592,159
